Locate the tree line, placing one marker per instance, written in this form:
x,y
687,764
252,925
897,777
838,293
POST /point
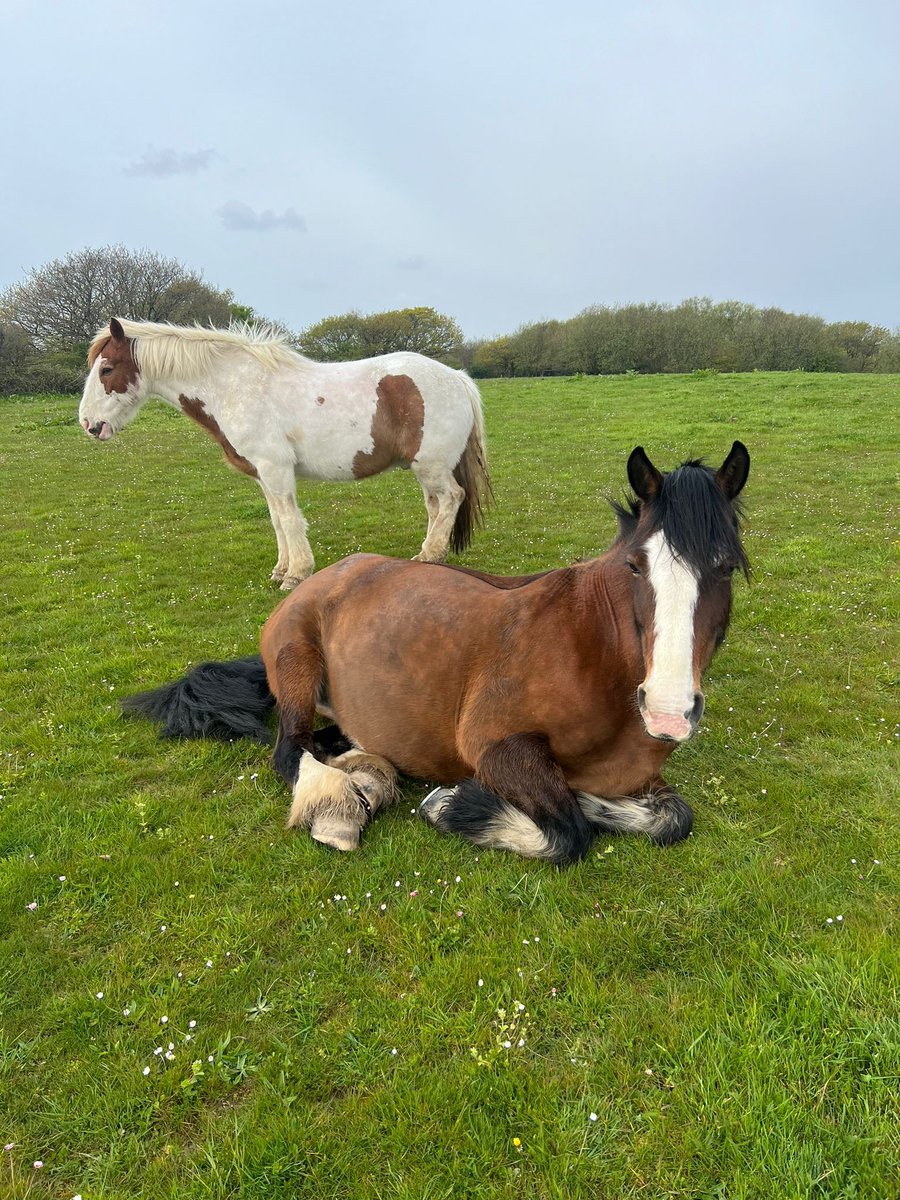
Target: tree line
x,y
48,320
694,335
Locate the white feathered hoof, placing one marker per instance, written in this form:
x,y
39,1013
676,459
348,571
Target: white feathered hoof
x,y
337,799
327,803
289,582
339,832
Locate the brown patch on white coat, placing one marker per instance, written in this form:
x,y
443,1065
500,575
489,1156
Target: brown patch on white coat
x,y
397,425
196,410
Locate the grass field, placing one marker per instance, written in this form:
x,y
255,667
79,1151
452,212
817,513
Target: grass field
x,y
195,1003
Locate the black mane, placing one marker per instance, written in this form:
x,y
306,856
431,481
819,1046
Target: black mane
x,y
700,524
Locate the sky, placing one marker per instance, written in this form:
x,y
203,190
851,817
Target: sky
x,y
502,162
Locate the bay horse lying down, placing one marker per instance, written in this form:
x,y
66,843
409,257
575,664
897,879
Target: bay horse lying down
x,y
278,415
546,705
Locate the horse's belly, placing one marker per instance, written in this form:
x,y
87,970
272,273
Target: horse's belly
x,y
398,667
414,732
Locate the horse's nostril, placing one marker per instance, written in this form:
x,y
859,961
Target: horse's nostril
x,y
695,712
642,697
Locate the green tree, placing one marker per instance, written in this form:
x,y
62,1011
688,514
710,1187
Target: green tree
x,y
66,301
334,339
490,359
190,301
859,342
17,356
351,335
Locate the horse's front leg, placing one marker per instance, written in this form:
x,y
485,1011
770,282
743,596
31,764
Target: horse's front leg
x,y
659,811
280,569
519,800
295,557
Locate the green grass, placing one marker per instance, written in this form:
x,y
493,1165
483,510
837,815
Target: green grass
x,y
729,1039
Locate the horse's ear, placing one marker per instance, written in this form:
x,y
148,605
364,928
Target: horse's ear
x,y
116,330
732,475
644,478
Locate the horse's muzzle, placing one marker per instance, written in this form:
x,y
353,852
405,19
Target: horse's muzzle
x,y
101,431
669,727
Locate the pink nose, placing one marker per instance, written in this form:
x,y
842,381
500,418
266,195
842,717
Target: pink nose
x,y
679,729
85,424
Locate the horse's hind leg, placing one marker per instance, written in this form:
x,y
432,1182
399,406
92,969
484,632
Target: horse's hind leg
x,y
443,497
336,788
659,812
297,678
519,800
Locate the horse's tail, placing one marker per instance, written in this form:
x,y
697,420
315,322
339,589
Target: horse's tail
x,y
220,700
471,473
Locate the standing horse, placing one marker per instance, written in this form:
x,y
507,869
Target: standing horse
x,y
278,415
547,704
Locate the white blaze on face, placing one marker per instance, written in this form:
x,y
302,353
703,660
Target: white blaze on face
x,y
97,408
107,412
669,686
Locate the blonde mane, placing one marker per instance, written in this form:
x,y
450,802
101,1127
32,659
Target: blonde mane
x,y
164,351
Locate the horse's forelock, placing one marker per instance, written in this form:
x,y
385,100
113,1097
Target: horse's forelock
x,y
628,513
96,347
697,520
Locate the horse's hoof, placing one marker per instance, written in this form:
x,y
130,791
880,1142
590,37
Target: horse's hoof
x,y
434,804
277,575
336,832
432,558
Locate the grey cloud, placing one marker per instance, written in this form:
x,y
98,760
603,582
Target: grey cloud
x,y
414,262
161,163
243,218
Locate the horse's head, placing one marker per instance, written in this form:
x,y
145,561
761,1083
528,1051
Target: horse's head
x,y
680,541
113,391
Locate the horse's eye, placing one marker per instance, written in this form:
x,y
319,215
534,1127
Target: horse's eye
x,y
106,370
632,567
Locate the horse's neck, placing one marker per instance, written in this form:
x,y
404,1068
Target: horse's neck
x,y
215,386
606,609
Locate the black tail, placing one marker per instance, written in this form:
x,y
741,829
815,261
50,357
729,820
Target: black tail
x,y
221,700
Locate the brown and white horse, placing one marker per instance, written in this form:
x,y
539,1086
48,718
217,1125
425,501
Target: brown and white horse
x,y
547,704
278,415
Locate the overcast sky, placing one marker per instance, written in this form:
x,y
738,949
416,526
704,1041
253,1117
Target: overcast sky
x,y
503,162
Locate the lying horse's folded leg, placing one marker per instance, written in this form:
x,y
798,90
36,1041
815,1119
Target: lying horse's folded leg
x,y
340,822
518,801
336,787
660,812
334,800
